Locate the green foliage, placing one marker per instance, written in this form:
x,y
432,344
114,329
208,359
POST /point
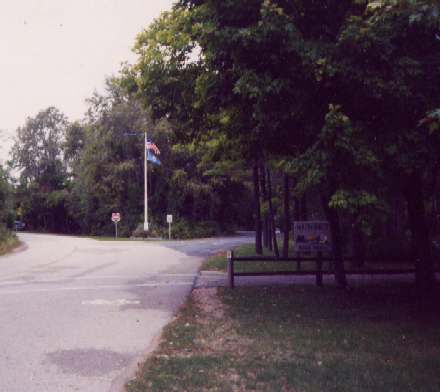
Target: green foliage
x,y
6,201
37,149
38,156
107,164
182,230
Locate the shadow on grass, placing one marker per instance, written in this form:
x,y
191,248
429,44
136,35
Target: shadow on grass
x,y
369,339
298,339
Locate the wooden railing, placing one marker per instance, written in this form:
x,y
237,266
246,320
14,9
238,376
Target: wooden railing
x,y
318,260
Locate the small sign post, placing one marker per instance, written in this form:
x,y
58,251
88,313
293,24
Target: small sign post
x,y
169,221
116,217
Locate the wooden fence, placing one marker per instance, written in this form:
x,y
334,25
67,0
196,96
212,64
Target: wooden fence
x,y
318,272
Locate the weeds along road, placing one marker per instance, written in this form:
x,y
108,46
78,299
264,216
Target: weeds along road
x,y
78,314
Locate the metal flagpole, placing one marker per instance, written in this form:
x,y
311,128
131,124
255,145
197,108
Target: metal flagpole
x,y
145,186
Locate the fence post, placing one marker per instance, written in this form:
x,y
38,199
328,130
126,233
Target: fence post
x,y
230,258
319,269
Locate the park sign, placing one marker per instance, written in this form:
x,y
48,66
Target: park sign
x,y
116,216
312,236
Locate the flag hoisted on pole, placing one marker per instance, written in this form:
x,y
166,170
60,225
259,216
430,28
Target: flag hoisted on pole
x,y
152,158
150,150
151,146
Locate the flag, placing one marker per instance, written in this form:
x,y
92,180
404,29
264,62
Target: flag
x,y
151,146
152,158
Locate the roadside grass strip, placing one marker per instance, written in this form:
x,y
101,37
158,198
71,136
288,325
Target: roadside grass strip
x,y
297,339
8,244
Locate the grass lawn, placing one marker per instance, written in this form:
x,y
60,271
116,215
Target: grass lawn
x,y
297,339
9,243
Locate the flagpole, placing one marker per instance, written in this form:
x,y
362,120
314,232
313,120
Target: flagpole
x,y
145,186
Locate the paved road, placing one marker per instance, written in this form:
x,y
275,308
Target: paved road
x,y
78,314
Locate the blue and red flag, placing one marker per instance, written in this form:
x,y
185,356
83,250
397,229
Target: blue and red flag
x,y
152,149
151,146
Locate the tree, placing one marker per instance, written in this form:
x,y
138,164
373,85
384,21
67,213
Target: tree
x,y
37,154
6,201
389,57
105,153
173,80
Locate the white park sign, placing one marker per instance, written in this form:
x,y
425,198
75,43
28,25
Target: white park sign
x,y
169,221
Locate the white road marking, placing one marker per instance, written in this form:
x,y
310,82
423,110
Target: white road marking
x,y
117,302
12,282
103,277
92,288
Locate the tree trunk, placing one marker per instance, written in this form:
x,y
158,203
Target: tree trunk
x,y
265,232
421,242
335,228
271,214
286,216
296,210
358,246
269,234
257,211
304,213
266,235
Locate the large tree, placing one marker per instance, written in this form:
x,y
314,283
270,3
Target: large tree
x,y
37,155
386,69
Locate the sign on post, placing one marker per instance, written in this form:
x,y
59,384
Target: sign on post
x,y
116,217
169,221
312,236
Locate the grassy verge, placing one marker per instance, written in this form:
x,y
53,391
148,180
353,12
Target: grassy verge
x,y
297,339
8,243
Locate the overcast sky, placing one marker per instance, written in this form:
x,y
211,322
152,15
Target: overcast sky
x,y
57,52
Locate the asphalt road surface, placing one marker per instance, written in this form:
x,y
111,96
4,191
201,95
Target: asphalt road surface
x,y
79,314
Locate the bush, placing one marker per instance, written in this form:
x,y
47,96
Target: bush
x,y
180,229
8,240
154,232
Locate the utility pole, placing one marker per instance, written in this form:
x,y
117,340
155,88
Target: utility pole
x,y
145,186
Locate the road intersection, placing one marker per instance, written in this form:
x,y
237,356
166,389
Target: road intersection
x,y
79,314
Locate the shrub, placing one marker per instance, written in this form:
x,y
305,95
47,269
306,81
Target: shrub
x,y
180,229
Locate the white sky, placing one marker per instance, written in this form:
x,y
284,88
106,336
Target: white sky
x,y
57,52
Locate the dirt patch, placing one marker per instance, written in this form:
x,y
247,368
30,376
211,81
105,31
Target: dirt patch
x,y
207,301
219,334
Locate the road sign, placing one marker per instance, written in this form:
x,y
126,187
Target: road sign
x,y
116,216
169,221
312,236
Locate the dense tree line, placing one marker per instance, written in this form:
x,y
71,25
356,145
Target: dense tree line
x,y
72,176
338,97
